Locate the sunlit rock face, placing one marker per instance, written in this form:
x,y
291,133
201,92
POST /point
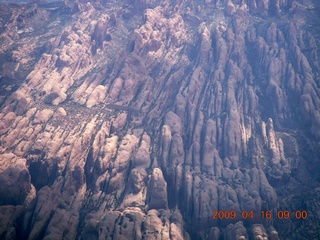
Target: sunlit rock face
x,y
141,119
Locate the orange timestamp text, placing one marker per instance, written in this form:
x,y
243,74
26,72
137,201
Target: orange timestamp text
x,y
264,214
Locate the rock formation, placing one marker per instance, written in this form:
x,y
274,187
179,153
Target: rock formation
x,y
139,119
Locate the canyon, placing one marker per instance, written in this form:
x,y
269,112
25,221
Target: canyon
x,y
138,119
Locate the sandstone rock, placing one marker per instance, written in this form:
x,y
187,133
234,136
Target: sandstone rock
x,y
205,48
138,119
15,180
237,231
42,116
259,232
174,122
61,111
119,122
137,178
6,122
272,143
99,34
142,157
21,107
230,8
125,151
97,95
115,91
157,198
9,216
273,234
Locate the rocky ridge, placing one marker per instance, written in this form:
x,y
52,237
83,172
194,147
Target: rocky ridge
x,y
137,120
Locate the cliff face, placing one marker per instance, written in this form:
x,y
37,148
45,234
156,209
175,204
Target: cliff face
x,y
136,120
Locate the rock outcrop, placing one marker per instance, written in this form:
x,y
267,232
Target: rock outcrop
x,y
140,119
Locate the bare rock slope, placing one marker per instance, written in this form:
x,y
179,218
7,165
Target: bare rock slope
x,y
139,119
